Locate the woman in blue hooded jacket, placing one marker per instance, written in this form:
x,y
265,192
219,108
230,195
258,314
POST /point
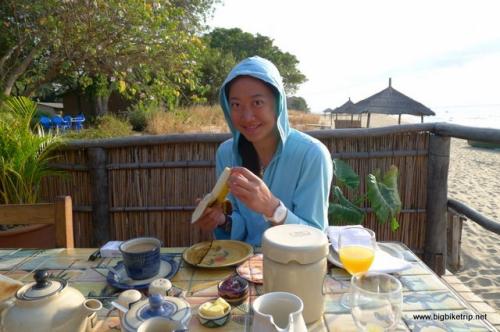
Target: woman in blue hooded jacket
x,y
278,175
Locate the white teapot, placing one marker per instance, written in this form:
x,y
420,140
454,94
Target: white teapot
x,y
49,305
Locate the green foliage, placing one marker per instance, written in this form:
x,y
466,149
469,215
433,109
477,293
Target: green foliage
x,y
106,126
232,46
382,193
144,49
297,103
215,65
25,152
141,113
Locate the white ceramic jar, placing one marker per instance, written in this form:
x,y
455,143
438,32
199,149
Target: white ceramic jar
x,y
295,262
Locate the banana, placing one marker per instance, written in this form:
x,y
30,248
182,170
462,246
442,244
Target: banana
x,y
217,195
221,188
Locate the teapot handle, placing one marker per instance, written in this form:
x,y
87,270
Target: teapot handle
x,y
4,305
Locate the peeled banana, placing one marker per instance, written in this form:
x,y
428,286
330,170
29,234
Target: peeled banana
x,y
221,188
218,194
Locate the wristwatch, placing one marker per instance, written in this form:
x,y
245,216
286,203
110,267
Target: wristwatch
x,y
278,216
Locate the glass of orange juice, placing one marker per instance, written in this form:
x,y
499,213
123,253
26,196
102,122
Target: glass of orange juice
x,y
356,252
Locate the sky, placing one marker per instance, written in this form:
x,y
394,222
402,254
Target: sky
x,y
444,54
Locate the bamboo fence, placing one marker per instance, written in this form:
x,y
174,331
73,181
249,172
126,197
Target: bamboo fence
x,y
147,186
151,188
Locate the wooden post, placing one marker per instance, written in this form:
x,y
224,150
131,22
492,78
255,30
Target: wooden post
x,y
368,121
437,199
421,119
455,222
100,198
64,222
399,118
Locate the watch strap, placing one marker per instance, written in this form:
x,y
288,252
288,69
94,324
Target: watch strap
x,y
279,215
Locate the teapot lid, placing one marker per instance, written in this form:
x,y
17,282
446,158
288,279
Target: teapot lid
x,y
156,305
43,287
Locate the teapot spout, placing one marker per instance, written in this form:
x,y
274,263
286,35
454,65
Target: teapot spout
x,y
89,311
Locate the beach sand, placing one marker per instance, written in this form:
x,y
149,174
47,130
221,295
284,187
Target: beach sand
x,y
474,179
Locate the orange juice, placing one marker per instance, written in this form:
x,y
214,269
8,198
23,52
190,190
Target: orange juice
x,y
356,259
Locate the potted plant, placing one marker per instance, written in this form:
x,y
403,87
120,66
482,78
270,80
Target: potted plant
x,y
25,154
382,193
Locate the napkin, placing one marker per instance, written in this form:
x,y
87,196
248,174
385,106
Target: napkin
x,y
383,262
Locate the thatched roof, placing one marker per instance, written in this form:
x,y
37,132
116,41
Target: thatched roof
x,y
347,108
391,101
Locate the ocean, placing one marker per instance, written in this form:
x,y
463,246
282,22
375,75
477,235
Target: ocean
x,y
479,116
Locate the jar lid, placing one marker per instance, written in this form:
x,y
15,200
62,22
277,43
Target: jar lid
x,y
129,297
293,242
156,305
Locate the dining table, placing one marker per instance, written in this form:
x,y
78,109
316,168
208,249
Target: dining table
x,y
429,303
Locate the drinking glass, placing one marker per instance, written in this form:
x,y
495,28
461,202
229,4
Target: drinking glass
x,y
356,252
376,301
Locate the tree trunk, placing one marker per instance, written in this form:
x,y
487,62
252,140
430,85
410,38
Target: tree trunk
x,y
99,105
18,71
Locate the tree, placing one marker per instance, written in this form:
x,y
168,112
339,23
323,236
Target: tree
x,y
135,46
297,103
215,65
235,44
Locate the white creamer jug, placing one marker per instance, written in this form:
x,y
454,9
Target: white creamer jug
x,y
295,262
278,312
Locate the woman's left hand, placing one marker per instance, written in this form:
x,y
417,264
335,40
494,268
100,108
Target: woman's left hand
x,y
252,191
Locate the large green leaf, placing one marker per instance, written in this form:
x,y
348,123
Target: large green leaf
x,y
343,211
345,174
384,196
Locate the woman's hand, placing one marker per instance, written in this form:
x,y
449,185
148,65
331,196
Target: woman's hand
x,y
212,217
252,191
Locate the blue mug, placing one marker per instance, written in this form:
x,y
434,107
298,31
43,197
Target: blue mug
x,y
141,257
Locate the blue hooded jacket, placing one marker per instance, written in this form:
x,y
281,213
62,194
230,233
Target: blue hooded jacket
x,y
299,174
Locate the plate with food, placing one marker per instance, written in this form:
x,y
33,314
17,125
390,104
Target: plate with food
x,y
217,253
252,269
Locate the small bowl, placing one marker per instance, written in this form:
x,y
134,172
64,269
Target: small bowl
x,y
233,289
213,322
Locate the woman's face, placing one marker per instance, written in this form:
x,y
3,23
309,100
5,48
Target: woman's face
x,y
253,109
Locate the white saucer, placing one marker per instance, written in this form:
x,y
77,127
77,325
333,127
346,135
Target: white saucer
x,y
168,267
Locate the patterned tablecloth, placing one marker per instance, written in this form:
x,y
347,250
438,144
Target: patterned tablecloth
x,y
424,292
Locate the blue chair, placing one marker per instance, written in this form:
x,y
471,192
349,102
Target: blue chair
x,y
58,123
67,121
46,123
78,121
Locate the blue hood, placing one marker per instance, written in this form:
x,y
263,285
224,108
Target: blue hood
x,y
266,71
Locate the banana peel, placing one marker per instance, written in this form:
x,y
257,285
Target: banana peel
x,y
217,195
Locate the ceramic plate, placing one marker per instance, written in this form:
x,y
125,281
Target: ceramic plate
x,y
252,269
168,268
333,256
217,253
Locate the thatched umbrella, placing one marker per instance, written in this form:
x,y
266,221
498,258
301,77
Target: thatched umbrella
x,y
346,108
391,101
